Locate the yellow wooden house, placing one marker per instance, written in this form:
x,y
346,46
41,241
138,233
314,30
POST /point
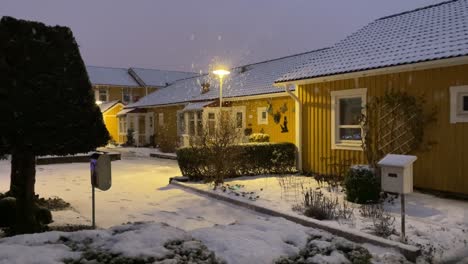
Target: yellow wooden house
x,y
116,87
420,52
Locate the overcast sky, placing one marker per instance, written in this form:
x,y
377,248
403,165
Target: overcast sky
x,y
193,35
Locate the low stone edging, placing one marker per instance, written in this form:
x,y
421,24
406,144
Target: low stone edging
x,y
163,156
71,159
410,252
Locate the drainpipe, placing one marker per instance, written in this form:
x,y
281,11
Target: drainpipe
x,y
298,122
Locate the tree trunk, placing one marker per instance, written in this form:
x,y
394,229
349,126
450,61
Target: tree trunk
x,y
23,178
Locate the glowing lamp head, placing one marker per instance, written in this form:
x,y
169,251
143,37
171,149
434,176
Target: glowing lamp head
x,y
221,73
98,102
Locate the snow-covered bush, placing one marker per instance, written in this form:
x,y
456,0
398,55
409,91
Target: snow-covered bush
x,y
361,185
166,142
324,248
259,137
245,159
383,224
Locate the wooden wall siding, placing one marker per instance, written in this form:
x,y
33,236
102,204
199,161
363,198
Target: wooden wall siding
x,y
170,121
112,122
273,129
444,167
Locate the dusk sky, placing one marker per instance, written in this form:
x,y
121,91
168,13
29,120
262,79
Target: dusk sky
x,y
194,35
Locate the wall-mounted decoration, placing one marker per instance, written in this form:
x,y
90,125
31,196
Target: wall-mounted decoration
x,y
277,117
269,107
284,126
284,108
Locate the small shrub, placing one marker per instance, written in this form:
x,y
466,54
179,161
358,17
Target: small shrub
x,y
361,186
371,210
321,207
130,139
383,224
259,137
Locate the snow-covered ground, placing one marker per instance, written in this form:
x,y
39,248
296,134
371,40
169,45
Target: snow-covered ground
x,y
440,225
140,192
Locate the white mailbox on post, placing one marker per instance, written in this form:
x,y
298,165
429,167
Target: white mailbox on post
x,y
397,173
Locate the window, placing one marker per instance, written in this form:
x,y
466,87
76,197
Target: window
x,y
465,103
262,116
458,104
211,123
181,123
199,123
103,94
126,95
123,125
191,123
346,109
239,120
161,119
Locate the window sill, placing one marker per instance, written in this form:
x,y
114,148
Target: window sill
x,y
347,146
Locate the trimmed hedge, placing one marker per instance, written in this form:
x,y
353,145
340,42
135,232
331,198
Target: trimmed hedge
x,y
259,137
250,159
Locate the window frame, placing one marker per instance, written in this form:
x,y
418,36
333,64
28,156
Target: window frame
x,y
457,114
336,96
260,111
160,119
181,127
130,97
106,91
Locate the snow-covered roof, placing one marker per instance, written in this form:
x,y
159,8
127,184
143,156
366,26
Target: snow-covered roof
x,y
158,78
394,160
247,80
196,106
429,33
107,105
110,76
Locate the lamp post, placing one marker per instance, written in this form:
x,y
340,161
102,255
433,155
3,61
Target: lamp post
x,y
221,73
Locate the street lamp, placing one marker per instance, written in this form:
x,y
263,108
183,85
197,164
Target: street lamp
x,y
221,73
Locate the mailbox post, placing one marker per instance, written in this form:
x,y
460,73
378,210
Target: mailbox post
x,y
397,177
100,165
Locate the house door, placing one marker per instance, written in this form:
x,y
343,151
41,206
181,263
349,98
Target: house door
x,y
149,127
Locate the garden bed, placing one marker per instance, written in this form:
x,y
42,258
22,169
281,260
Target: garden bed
x,y
437,226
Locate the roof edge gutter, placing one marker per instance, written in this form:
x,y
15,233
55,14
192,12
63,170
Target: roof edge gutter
x,y
298,122
438,63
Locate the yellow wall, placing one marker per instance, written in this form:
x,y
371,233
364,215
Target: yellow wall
x,y
170,122
115,92
112,122
443,168
272,129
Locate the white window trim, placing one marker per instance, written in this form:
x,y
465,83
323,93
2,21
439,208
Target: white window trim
x,y
335,96
260,120
239,109
98,93
130,95
456,114
160,119
123,122
184,126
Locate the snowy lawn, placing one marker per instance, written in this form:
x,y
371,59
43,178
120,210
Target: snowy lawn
x,y
140,192
439,226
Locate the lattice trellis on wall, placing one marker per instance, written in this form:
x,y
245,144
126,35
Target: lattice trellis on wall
x,y
394,123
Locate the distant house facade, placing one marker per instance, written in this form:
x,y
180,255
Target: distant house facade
x,y
116,87
422,53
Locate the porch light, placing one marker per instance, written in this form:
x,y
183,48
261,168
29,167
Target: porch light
x,y
221,73
98,102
